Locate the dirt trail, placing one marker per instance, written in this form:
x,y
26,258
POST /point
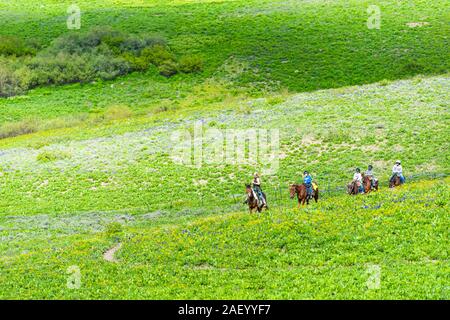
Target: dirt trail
x,y
109,255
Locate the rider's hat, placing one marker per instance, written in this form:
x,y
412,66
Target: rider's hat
x,y
370,166
398,162
305,172
358,170
256,174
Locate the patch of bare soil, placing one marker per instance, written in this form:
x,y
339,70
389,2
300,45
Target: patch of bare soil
x,y
109,255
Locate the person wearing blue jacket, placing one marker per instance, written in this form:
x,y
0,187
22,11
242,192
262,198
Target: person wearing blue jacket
x,y
307,181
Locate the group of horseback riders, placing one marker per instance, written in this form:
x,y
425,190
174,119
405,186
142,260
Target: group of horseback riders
x,y
358,184
361,183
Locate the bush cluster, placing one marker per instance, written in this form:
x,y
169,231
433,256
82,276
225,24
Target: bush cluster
x,y
12,46
99,54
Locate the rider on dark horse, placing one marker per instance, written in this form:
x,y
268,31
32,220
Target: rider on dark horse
x,y
257,189
369,173
397,170
307,181
357,178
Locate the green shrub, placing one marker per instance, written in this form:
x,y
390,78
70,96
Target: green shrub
x,y
12,46
168,68
101,53
157,55
15,77
60,69
9,82
26,78
107,68
190,64
78,43
102,39
136,63
68,68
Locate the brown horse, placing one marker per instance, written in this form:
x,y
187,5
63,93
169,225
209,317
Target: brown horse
x,y
252,201
302,195
352,188
367,184
395,182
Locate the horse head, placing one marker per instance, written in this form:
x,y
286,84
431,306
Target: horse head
x,y
248,190
350,187
292,190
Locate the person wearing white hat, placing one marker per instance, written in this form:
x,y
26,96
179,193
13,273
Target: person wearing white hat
x,y
397,170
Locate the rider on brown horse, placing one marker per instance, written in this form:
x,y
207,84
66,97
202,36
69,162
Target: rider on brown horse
x,y
307,181
257,189
357,178
302,193
397,177
369,173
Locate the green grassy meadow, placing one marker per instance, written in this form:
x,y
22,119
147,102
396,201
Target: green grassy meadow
x,y
97,168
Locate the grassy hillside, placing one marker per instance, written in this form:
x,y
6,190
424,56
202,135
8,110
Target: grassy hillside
x,y
323,252
185,232
128,165
92,164
298,45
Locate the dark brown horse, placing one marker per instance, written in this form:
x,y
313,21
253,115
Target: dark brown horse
x,y
302,194
395,182
352,188
367,184
252,201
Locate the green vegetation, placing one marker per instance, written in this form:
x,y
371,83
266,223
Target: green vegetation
x,y
125,163
13,46
101,54
323,252
87,165
268,44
